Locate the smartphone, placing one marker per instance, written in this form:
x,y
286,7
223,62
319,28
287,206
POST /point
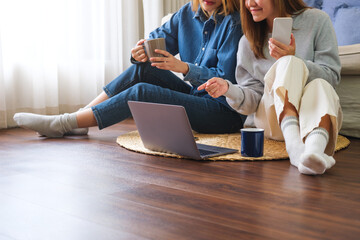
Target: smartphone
x,y
282,29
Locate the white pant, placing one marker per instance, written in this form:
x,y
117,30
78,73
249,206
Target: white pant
x,y
312,101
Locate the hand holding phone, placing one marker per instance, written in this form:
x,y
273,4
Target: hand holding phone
x,y
282,27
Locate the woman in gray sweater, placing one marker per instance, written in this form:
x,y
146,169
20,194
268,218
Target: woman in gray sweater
x,y
288,89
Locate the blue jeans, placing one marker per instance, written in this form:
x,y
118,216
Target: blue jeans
x,y
141,82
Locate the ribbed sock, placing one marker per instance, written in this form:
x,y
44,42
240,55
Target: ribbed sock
x,y
317,140
78,131
50,126
314,161
294,145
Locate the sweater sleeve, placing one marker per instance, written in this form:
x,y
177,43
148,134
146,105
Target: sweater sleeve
x,y
244,97
326,62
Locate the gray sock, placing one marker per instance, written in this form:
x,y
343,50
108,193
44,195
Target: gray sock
x,y
50,126
78,131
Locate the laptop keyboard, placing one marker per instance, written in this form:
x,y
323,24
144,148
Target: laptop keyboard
x,y
204,152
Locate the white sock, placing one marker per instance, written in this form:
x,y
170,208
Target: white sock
x,y
50,126
317,140
294,145
314,161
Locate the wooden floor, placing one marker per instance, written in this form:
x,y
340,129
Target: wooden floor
x,y
87,187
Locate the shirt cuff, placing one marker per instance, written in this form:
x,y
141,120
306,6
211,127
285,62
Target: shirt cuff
x,y
193,75
133,61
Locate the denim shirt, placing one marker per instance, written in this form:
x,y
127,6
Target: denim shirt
x,y
208,46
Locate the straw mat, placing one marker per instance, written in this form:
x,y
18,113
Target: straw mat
x,y
273,150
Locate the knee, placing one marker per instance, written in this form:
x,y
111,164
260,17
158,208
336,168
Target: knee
x,y
142,92
287,58
292,63
321,89
141,88
289,70
290,60
320,84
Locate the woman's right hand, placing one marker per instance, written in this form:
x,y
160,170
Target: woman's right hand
x,y
278,49
216,87
138,52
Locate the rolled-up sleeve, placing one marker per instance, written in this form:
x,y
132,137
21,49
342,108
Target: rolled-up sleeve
x,y
169,31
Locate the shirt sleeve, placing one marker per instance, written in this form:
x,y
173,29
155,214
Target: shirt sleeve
x,y
169,31
226,60
326,63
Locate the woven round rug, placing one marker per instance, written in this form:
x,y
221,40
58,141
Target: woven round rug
x,y
273,150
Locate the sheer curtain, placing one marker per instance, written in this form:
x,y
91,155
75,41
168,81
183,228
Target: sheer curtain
x,y
56,55
2,93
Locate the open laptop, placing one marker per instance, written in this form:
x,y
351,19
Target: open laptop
x,y
166,128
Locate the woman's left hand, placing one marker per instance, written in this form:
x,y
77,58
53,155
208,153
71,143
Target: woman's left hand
x,y
169,62
278,49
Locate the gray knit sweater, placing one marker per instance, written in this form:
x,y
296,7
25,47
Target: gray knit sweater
x,y
316,44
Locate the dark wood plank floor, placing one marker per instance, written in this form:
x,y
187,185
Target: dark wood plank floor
x,y
87,187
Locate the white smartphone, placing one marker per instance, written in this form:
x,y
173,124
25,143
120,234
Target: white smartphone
x,y
282,29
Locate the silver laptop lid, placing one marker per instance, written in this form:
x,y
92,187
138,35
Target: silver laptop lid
x,y
164,128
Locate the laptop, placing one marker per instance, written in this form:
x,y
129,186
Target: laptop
x,y
166,128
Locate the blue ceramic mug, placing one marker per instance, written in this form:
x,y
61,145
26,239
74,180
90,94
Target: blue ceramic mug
x,y
252,142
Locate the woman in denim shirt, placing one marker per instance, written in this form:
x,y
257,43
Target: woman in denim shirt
x,y
206,34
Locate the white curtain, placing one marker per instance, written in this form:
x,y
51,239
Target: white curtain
x,y
56,55
3,122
